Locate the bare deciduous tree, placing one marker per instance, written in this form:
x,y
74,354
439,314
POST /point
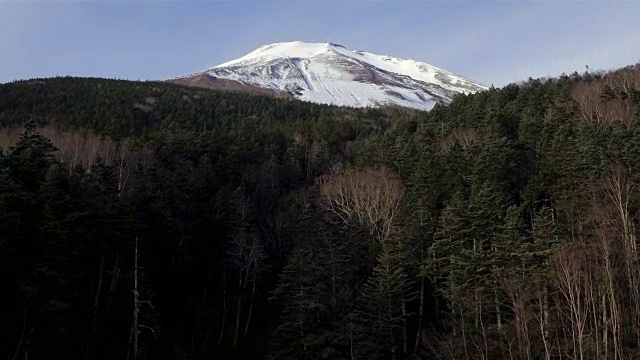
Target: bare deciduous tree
x,y
618,108
572,281
462,136
369,196
8,137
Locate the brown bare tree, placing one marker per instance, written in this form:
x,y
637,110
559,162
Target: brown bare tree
x,y
463,136
369,196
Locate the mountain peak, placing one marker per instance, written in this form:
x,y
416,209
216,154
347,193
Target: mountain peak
x,y
330,73
291,49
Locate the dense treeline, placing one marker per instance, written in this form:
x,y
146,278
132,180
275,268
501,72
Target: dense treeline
x,y
121,109
150,220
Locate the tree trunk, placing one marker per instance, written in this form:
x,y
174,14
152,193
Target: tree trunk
x,y
196,327
498,312
464,336
545,323
130,341
115,276
224,313
420,312
24,329
351,339
333,278
246,325
136,304
28,344
96,301
404,327
238,310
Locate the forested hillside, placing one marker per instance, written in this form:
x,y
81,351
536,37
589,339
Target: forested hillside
x,y
155,221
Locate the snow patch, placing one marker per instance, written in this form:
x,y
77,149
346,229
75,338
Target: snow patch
x,y
332,74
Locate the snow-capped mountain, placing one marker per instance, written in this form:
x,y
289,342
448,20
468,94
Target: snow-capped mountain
x,y
332,74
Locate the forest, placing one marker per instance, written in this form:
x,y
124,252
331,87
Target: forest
x,y
148,220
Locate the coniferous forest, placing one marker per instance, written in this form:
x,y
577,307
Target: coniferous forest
x,y
147,220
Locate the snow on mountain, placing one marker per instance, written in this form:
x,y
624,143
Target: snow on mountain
x,y
332,74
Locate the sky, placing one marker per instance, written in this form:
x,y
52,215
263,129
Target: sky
x,y
493,42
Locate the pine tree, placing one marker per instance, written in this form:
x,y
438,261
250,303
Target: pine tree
x,y
379,320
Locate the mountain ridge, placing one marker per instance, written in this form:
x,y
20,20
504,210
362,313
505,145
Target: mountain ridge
x,y
330,73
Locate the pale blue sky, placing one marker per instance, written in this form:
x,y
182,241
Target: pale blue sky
x,y
490,41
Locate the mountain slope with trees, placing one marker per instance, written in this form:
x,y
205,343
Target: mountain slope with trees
x,y
151,220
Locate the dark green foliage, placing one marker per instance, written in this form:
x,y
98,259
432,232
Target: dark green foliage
x,y
317,288
238,259
123,108
379,319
